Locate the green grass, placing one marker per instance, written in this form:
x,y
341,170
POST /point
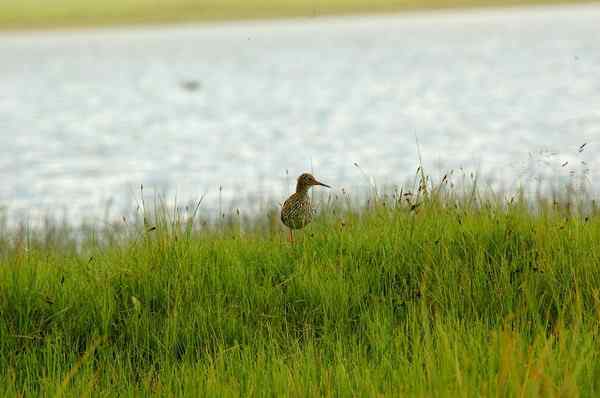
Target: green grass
x,y
455,296
64,13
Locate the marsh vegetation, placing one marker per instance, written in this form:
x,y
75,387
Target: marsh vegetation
x,y
435,291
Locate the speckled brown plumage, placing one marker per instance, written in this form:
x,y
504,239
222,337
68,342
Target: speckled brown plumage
x,y
297,211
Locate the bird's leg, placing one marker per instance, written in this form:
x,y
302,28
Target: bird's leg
x,y
291,236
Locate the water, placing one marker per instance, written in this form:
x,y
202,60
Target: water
x,y
88,116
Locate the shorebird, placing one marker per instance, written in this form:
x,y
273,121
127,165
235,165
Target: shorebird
x,y
297,211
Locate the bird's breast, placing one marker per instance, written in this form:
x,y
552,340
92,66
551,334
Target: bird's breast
x,y
296,211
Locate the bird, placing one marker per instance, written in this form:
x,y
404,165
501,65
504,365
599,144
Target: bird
x,y
190,85
297,211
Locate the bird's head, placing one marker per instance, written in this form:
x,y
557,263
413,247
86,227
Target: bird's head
x,y
307,180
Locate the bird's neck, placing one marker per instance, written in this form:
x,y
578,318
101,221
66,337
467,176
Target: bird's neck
x,y
302,189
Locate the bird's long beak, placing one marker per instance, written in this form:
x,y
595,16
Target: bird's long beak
x,y
321,184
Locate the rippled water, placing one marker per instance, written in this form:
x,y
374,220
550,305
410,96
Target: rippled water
x,y
88,116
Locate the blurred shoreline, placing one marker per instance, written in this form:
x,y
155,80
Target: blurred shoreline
x,y
68,14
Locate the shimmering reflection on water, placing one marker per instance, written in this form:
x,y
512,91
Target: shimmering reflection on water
x,y
85,117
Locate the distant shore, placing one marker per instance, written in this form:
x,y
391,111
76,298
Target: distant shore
x,y
27,14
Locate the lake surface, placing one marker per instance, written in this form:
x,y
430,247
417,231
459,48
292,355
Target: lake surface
x,y
87,116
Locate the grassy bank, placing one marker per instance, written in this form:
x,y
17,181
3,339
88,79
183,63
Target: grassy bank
x,y
427,296
23,14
